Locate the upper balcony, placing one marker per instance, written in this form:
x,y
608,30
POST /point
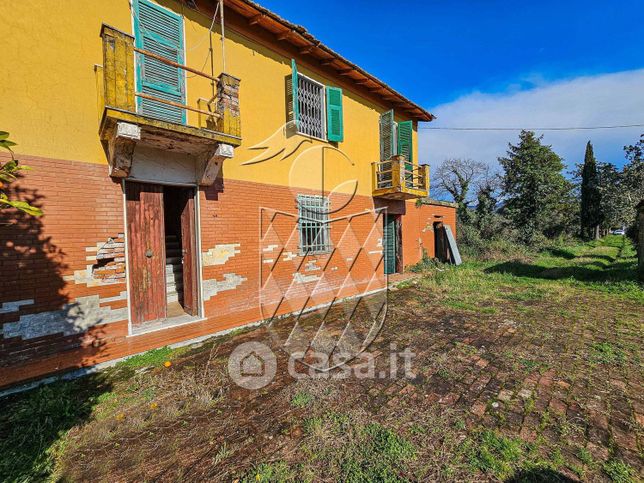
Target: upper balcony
x,y
133,114
398,179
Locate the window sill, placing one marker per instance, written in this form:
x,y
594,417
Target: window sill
x,y
324,140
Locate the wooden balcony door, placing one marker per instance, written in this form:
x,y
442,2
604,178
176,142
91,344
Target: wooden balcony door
x,y
146,252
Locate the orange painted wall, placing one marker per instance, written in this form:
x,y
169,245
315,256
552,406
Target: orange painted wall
x,y
418,229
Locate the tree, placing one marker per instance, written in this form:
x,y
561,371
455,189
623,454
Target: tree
x,y
487,198
9,171
457,177
633,175
591,215
537,194
633,187
613,202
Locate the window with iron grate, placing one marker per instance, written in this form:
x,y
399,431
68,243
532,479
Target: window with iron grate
x,y
311,105
313,223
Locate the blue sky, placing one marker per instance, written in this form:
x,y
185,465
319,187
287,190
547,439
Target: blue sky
x,y
445,54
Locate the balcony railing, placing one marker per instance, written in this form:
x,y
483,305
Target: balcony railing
x,y
219,113
398,179
209,137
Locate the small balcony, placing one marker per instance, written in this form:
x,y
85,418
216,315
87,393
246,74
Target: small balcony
x,y
206,128
398,179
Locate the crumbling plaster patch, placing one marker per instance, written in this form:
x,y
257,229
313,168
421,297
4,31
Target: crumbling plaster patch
x,y
230,282
220,254
75,317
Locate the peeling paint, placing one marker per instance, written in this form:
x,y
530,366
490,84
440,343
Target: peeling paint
x,y
269,248
213,287
288,256
220,254
73,318
268,260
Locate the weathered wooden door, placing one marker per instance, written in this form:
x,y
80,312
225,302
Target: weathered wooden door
x,y
391,243
146,249
188,247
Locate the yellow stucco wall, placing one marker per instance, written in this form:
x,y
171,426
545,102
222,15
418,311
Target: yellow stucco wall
x,y
51,98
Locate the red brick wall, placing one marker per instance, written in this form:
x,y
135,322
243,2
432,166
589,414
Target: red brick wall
x,y
46,259
231,213
39,256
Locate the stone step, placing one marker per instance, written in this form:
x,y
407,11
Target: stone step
x,y
173,277
173,287
172,297
173,269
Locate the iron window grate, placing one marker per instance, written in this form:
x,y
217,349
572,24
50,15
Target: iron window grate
x,y
313,223
310,98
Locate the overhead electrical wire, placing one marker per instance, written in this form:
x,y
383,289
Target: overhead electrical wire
x,y
576,128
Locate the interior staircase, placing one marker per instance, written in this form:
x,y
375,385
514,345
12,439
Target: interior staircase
x,y
173,269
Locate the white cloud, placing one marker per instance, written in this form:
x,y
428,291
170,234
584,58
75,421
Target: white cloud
x,y
599,100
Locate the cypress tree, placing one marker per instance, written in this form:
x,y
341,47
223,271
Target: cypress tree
x,y
591,216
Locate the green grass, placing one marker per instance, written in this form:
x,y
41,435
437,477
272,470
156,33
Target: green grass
x,y
153,358
378,455
34,426
607,266
619,471
496,454
270,472
301,399
605,353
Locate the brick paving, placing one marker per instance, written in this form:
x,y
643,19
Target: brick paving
x,y
525,371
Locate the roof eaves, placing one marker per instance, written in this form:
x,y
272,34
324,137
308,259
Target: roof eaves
x,y
310,45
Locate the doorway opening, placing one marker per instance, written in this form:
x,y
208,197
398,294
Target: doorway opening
x,y
162,255
441,247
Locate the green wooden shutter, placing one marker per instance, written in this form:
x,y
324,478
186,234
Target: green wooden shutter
x,y
386,135
405,148
335,124
405,129
292,95
159,31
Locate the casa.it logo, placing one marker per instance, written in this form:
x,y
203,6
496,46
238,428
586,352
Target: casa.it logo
x,y
252,365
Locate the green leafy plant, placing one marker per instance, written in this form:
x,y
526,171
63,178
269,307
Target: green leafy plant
x,y
619,471
301,399
9,172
